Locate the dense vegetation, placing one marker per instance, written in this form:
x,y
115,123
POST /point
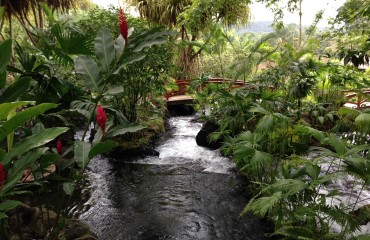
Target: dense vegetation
x,y
105,72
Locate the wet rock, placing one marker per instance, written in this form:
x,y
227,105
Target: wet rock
x,y
30,222
76,230
203,136
133,153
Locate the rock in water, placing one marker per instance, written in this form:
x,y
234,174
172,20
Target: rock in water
x,y
203,136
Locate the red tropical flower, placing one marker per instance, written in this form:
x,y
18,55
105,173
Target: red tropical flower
x,y
2,174
101,118
59,147
123,27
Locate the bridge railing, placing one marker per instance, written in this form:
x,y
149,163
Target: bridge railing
x,y
183,85
363,98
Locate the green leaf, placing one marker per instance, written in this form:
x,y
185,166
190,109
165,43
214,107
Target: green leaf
x,y
289,186
318,135
129,60
83,112
330,117
23,163
259,109
32,142
14,193
338,144
49,158
15,90
6,53
104,48
321,120
16,171
82,150
260,160
149,43
102,148
23,117
10,137
363,237
89,72
119,46
362,122
345,111
3,215
296,232
68,188
244,151
39,127
149,38
2,78
48,12
123,129
6,108
263,205
265,124
9,205
113,90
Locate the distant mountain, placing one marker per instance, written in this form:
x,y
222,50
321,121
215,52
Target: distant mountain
x,y
256,27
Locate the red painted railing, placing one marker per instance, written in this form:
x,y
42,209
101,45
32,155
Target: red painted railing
x,y
362,98
184,84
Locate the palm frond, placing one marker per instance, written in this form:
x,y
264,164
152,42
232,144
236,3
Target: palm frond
x,y
295,232
362,122
263,205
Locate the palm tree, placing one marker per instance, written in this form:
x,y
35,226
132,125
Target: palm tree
x,y
192,18
30,14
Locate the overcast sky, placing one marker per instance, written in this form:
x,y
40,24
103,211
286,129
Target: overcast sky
x,y
260,13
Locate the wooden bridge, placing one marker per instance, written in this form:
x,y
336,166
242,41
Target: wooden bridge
x,y
362,98
179,96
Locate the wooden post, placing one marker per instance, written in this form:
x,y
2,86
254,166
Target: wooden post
x,y
359,101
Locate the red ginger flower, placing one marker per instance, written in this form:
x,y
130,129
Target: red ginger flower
x,y
101,118
123,27
59,147
2,174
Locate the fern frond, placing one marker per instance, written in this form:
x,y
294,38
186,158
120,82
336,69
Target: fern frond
x,y
261,206
295,232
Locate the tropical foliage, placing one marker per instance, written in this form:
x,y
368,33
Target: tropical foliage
x,y
281,113
288,129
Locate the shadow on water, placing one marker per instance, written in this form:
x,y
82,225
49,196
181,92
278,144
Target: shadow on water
x,y
168,197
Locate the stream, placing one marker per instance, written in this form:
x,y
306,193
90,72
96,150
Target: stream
x,y
188,192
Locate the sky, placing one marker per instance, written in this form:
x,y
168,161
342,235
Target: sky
x,y
260,13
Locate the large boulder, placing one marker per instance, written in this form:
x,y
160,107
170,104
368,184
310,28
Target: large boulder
x,y
26,222
77,230
202,137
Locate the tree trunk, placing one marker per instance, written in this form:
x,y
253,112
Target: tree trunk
x,y
1,27
300,23
41,18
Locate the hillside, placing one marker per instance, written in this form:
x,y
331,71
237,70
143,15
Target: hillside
x,y
257,27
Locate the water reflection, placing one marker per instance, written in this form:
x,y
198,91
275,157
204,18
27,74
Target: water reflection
x,y
182,194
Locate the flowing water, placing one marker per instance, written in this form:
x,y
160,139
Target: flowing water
x,y
185,193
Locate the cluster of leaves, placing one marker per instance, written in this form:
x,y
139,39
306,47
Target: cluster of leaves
x,y
280,116
43,73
